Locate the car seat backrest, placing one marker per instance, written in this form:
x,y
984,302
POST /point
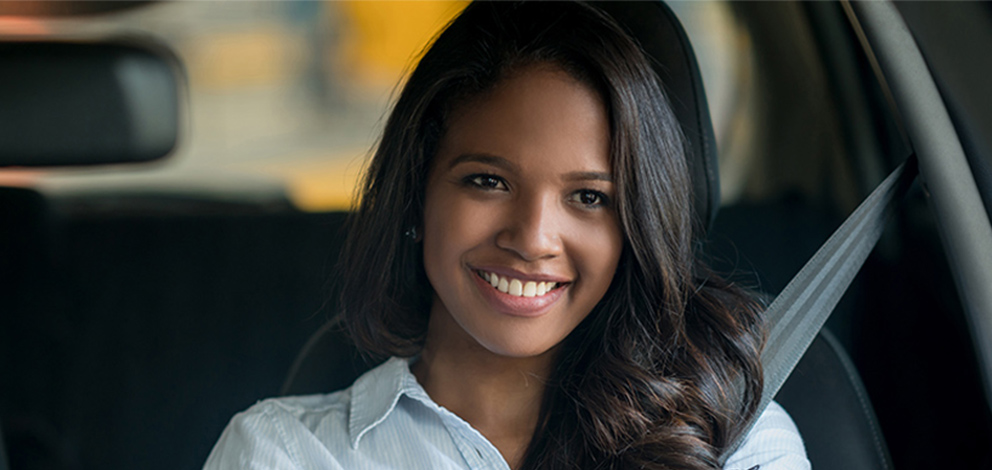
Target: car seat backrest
x,y
825,397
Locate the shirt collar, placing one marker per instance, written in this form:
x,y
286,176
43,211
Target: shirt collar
x,y
375,394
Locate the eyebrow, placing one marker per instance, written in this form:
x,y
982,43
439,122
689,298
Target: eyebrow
x,y
485,158
507,165
589,175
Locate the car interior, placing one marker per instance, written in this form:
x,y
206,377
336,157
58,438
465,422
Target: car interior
x,y
135,322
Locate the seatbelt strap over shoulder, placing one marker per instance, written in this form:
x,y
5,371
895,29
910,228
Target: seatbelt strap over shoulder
x,y
797,314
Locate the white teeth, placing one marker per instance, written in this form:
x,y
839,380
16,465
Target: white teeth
x,y
517,287
530,289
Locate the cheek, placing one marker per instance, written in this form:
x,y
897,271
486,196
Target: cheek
x,y
615,241
451,228
600,247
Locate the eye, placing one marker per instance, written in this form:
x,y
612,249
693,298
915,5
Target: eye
x,y
485,181
590,198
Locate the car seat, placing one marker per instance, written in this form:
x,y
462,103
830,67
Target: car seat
x,y
824,394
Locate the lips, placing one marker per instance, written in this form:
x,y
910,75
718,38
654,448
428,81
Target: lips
x,y
519,296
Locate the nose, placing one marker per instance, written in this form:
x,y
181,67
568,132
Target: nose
x,y
532,228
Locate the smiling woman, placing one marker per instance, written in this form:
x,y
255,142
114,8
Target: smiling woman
x,y
524,249
510,209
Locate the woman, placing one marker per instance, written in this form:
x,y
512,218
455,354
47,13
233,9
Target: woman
x,y
523,249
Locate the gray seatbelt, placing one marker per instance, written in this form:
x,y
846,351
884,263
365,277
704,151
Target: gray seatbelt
x,y
797,314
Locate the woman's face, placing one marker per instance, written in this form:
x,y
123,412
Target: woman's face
x,y
520,235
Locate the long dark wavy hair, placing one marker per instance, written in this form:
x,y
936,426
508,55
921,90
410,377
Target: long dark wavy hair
x,y
666,367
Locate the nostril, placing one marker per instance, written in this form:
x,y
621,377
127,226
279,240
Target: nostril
x,y
530,244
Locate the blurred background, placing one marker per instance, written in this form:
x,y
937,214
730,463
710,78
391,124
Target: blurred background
x,y
287,98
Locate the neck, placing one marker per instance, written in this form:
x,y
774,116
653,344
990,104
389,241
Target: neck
x,y
499,396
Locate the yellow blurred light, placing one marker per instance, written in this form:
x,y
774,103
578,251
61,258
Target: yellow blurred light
x,y
381,39
318,182
248,58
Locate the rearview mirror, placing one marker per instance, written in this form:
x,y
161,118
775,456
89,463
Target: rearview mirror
x,y
86,103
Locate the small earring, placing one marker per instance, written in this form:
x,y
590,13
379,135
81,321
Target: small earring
x,y
411,233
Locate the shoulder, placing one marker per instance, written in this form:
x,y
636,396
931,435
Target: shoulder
x,y
773,443
275,433
312,431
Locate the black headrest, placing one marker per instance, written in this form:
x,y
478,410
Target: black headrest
x,y
657,29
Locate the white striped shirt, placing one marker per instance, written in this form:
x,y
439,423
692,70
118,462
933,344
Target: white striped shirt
x,y
385,420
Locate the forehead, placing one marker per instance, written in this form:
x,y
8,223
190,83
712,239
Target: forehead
x,y
537,113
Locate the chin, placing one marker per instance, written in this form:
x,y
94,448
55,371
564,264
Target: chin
x,y
517,346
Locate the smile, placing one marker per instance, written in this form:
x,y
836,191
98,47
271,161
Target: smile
x,y
520,297
517,287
